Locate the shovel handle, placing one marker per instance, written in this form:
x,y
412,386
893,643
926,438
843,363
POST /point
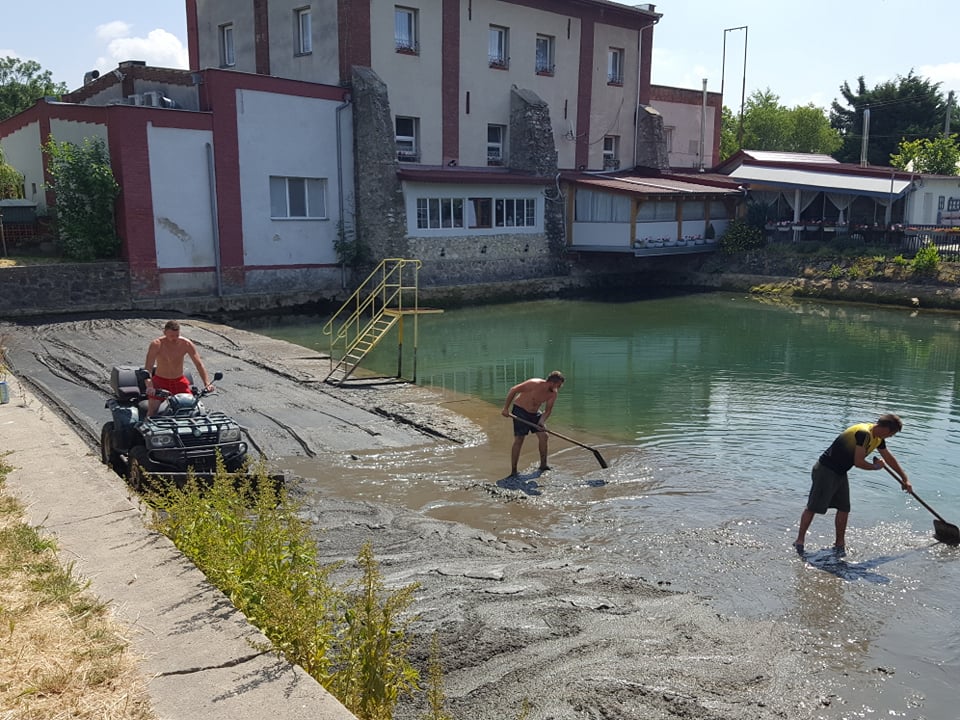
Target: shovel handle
x,y
915,496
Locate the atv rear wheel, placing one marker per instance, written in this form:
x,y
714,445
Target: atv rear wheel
x,y
108,455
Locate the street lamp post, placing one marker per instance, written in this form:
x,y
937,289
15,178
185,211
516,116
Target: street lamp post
x,y
723,70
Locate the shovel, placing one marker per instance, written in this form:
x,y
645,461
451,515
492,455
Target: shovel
x,y
942,530
596,453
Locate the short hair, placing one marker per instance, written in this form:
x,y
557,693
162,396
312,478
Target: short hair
x,y
556,377
889,420
172,325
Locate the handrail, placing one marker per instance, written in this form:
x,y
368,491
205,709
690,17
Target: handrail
x,y
383,289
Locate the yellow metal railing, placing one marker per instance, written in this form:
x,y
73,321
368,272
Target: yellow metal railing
x,y
383,298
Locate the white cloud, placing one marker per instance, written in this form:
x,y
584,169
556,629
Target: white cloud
x,y
159,48
116,29
947,74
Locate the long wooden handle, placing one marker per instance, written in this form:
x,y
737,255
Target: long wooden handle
x,y
538,428
917,497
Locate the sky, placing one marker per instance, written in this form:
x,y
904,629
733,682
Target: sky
x,y
802,51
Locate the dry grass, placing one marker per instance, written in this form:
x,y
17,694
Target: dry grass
x,y
22,260
62,654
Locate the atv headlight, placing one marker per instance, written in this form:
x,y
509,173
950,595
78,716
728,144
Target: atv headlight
x,y
160,441
229,434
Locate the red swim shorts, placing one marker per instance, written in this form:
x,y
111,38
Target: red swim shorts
x,y
173,386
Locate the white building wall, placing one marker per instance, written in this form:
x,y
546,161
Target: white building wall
x,y
322,64
180,187
302,142
211,14
75,132
413,191
923,205
414,82
684,125
614,107
21,149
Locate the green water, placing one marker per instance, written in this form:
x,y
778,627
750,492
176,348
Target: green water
x,y
712,409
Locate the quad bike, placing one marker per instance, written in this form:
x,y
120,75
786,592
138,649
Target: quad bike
x,y
182,436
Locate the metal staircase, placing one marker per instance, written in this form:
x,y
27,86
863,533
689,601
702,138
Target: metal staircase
x,y
388,294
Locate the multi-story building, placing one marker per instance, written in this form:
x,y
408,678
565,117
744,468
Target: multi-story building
x,y
449,66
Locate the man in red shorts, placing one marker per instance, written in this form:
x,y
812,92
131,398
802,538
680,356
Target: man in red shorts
x,y
165,364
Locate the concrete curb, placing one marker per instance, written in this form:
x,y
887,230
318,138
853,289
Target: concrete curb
x,y
199,653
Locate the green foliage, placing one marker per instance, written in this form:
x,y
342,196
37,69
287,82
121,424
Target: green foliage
x,y
758,214
927,260
373,670
22,83
85,191
835,272
937,156
250,540
741,237
351,250
900,260
435,693
11,181
907,108
768,125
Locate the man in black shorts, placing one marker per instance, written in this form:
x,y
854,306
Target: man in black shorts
x,y
831,489
527,398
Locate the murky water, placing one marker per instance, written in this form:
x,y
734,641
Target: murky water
x,y
710,410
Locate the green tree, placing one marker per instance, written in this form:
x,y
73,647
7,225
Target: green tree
x,y
908,108
85,191
11,181
22,83
768,125
938,156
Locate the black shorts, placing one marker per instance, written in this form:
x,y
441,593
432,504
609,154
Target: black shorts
x,y
830,489
519,428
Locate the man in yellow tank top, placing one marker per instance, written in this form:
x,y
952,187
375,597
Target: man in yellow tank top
x,y
831,489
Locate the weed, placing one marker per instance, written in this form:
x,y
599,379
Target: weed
x,y
250,541
435,692
927,260
835,272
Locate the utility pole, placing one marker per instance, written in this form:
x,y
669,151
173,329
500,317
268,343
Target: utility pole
x,y
946,123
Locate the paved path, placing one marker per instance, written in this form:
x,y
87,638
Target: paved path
x,y
196,646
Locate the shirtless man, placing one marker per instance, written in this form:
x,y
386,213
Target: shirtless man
x,y
527,398
165,364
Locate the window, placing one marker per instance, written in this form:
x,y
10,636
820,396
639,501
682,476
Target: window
x,y
498,50
228,57
304,31
439,213
544,63
479,210
611,152
293,197
405,30
495,136
408,149
515,212
615,66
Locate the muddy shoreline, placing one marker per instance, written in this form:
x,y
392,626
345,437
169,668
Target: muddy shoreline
x,y
558,629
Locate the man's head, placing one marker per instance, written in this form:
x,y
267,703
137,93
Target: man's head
x,y
171,330
891,423
556,377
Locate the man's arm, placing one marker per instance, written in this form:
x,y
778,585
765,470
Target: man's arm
x,y
514,391
198,363
152,349
890,460
548,408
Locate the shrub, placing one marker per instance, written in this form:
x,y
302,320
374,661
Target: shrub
x,y
250,540
927,260
85,191
835,272
741,237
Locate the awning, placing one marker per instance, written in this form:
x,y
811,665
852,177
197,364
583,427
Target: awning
x,y
794,178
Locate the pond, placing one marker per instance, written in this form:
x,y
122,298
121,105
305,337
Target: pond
x,y
710,410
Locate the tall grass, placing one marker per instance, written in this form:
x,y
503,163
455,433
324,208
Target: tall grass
x,y
249,539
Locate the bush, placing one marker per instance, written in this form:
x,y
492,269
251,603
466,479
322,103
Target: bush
x,y
741,237
927,260
251,542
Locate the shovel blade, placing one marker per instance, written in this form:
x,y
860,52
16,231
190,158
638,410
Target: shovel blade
x,y
946,533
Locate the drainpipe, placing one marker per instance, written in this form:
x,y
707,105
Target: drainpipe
x,y
703,121
636,104
214,219
340,198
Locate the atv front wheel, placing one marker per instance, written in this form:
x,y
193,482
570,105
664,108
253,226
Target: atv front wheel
x,y
139,468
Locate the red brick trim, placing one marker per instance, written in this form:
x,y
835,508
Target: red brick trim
x,y
353,18
261,35
193,35
450,93
584,92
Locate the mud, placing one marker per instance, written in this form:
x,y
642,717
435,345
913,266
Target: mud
x,y
523,623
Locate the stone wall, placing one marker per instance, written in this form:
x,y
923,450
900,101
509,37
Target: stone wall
x,y
38,289
482,258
